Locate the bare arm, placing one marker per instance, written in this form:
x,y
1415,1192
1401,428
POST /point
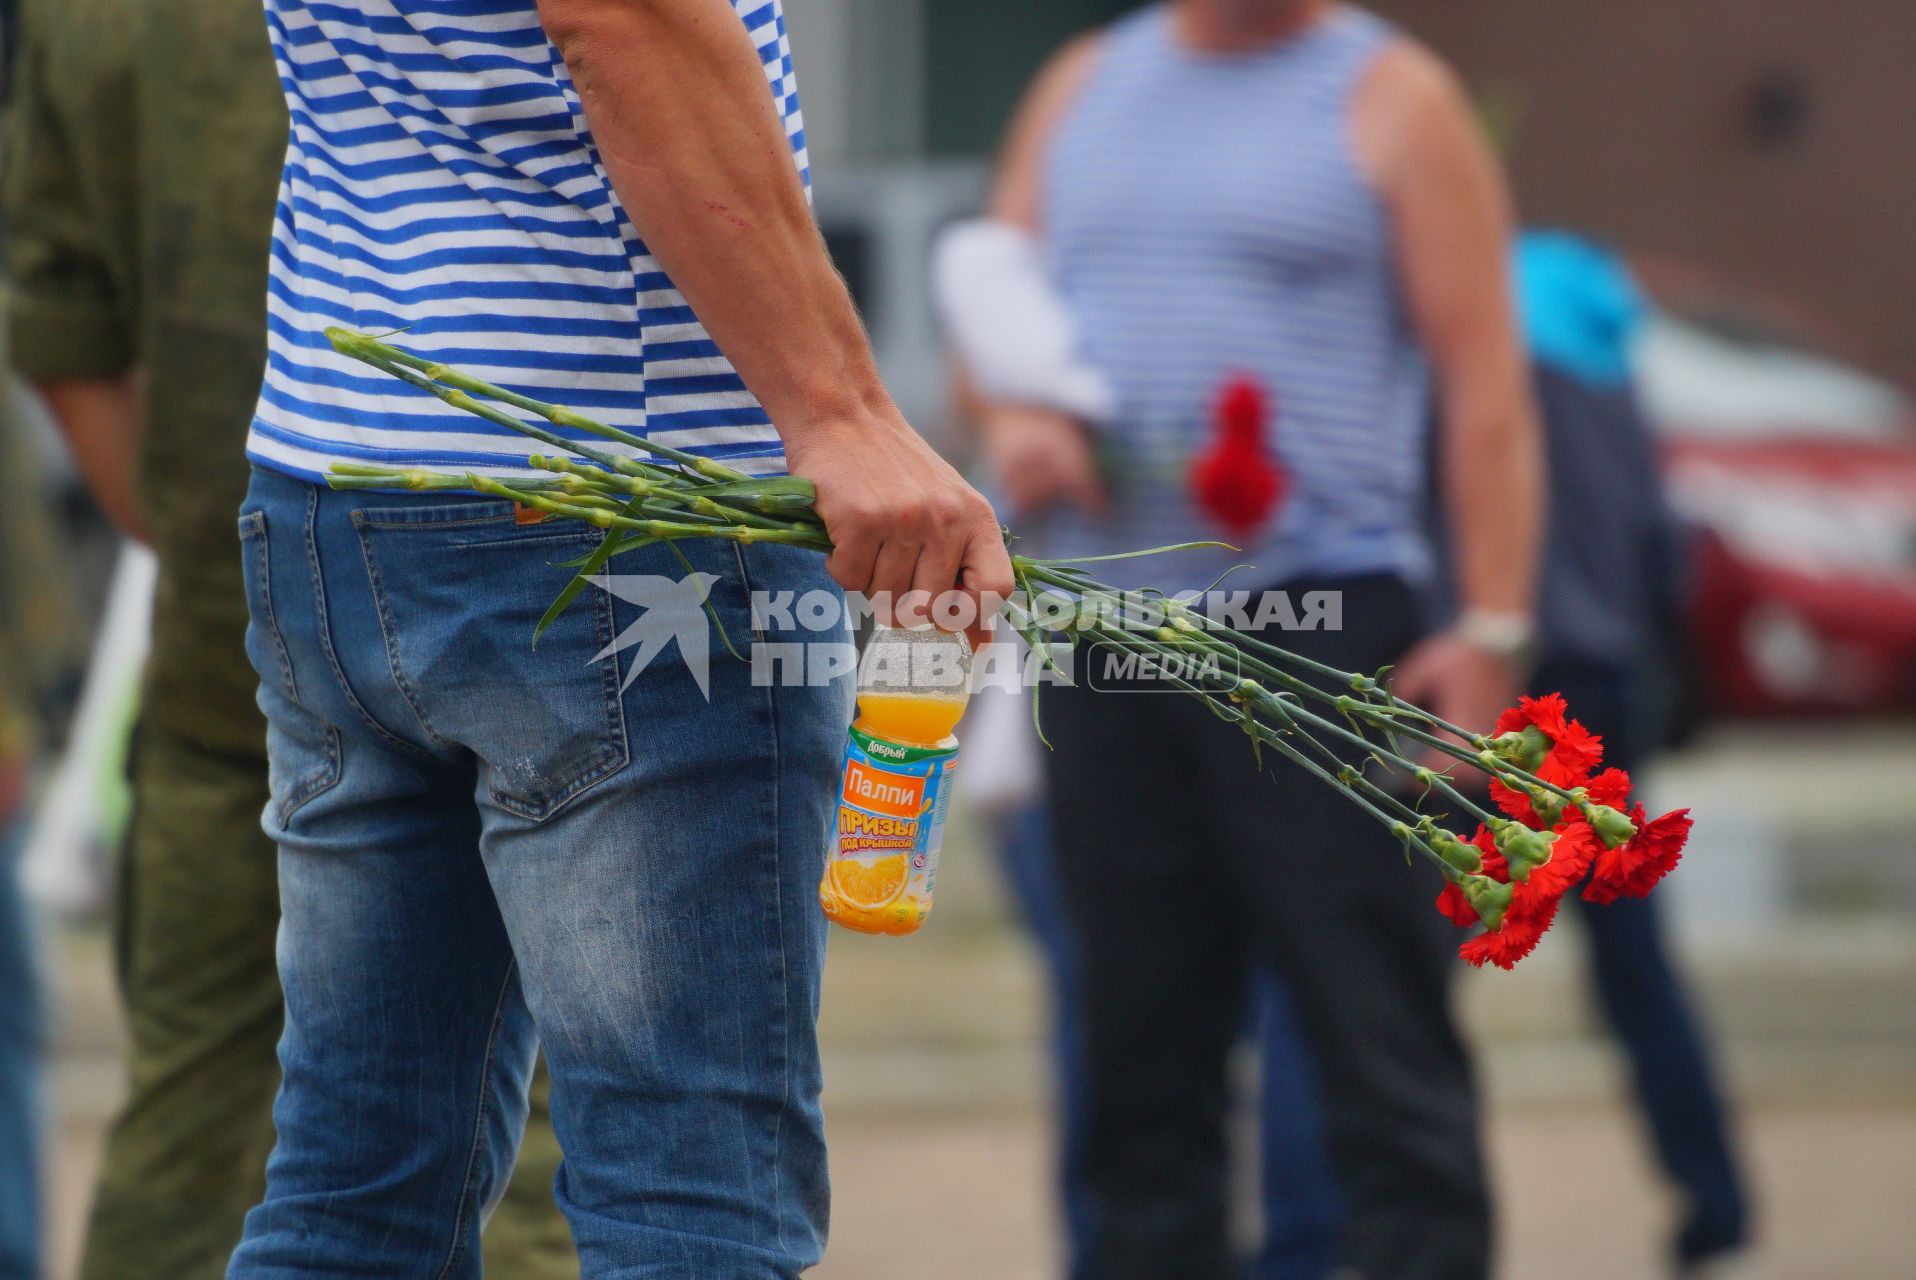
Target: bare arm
x,y
1040,456
677,101
101,419
1452,213
1452,216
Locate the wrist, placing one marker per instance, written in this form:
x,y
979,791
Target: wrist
x,y
1016,417
1507,634
854,401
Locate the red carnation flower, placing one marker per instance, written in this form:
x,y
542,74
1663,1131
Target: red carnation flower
x,y
1514,803
1571,856
1528,919
1634,867
1452,903
1572,750
1562,752
1455,907
1533,902
1235,480
1611,787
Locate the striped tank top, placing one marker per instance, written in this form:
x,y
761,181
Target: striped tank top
x,y
440,180
1205,219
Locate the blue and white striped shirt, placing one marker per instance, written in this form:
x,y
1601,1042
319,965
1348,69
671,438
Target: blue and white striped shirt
x,y
1206,218
440,180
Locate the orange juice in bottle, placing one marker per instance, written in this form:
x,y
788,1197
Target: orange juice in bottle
x,y
899,761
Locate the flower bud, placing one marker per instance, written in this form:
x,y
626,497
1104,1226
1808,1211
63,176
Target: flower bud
x,y
1488,898
1546,804
1523,848
1612,826
1526,748
1458,853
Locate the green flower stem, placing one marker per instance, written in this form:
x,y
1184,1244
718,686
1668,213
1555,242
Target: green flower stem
x,y
665,530
690,499
1238,659
361,345
1384,718
1199,626
415,481
1438,782
1406,832
459,399
1352,782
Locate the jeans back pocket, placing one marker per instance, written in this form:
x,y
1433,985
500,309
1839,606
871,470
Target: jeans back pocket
x,y
460,588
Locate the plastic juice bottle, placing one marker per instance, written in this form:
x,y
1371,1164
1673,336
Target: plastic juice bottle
x,y
899,760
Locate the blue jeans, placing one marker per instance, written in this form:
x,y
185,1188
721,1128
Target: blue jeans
x,y
484,847
20,1045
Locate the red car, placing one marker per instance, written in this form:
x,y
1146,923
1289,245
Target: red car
x,y
1797,471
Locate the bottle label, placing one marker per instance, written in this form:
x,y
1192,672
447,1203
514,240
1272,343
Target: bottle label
x,y
891,822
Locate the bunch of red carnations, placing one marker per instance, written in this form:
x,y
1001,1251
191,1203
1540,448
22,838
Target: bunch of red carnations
x,y
1575,828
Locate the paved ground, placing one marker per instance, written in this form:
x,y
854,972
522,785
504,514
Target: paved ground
x,y
935,1076
964,1197
940,1144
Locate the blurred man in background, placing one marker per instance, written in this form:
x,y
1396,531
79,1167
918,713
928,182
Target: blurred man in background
x,y
139,194
1284,195
1608,609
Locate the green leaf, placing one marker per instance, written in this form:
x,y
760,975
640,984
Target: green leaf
x,y
710,611
609,546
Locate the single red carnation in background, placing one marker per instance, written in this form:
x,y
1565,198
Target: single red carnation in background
x,y
1235,480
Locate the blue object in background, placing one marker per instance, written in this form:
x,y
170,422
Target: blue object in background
x,y
1580,307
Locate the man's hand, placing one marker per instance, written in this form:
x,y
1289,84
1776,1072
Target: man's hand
x,y
902,520
1462,682
1042,458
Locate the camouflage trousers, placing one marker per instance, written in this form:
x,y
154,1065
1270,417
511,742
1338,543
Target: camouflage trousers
x,y
197,913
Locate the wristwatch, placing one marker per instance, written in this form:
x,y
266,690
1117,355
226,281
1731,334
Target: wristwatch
x,y
1510,636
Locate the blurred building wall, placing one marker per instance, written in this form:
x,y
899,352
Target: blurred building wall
x,y
1771,140
861,75
982,55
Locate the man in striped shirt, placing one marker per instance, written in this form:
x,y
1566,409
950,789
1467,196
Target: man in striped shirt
x,y
1289,197
600,203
